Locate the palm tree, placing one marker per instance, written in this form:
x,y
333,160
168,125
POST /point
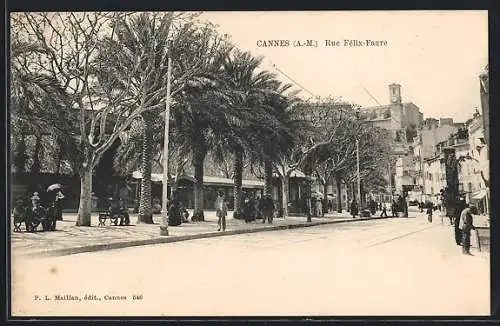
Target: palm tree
x,y
37,109
250,114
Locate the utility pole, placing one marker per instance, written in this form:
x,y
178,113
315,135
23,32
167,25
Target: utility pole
x,y
164,206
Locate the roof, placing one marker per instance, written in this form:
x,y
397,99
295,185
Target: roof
x,y
207,180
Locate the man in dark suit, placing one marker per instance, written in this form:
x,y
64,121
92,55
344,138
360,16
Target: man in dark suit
x,y
267,208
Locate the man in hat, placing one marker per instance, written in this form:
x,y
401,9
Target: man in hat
x,y
221,211
35,201
466,225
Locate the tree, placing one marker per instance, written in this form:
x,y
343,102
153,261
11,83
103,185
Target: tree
x,y
322,128
200,112
254,123
374,153
71,60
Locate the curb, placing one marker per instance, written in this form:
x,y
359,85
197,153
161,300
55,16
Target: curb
x,y
170,239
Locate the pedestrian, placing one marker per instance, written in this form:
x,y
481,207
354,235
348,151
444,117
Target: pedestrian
x,y
319,207
248,207
57,204
184,213
354,208
174,212
267,208
460,206
372,207
466,225
35,201
394,212
313,206
258,213
221,207
384,211
429,213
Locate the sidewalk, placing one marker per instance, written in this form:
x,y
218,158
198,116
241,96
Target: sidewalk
x,y
69,239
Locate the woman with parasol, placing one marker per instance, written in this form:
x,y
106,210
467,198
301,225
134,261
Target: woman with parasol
x,y
55,194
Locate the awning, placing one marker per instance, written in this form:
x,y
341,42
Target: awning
x,y
297,174
155,177
478,195
207,180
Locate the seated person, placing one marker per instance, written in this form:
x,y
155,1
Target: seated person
x,y
184,213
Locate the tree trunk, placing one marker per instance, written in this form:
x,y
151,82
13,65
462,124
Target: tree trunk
x,y
362,195
452,183
325,198
85,206
145,206
238,176
348,187
338,182
284,194
20,155
35,167
268,173
60,153
308,172
198,159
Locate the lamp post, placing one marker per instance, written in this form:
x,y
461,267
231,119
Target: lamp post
x,y
164,206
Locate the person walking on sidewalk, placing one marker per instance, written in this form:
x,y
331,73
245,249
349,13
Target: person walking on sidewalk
x,y
319,208
221,207
429,213
461,205
466,225
354,208
267,209
384,211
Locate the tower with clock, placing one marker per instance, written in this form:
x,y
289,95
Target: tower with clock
x,y
395,93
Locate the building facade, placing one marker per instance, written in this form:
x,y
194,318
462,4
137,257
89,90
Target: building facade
x,y
403,119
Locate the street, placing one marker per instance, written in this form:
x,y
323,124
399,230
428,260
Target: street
x,y
381,267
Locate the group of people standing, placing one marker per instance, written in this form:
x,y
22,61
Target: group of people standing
x,y
252,209
372,207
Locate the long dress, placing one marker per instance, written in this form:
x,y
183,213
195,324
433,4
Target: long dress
x,y
174,215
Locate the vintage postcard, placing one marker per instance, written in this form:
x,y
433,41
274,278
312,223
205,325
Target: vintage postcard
x,y
291,163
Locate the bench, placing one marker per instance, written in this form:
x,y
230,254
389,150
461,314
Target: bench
x,y
113,217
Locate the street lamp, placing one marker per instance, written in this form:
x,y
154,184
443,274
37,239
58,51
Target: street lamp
x,y
164,206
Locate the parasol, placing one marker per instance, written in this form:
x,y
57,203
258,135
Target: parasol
x,y
55,186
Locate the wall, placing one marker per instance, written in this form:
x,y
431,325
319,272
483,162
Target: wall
x,y
411,115
431,137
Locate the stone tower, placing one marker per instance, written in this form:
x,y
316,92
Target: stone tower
x,y
395,93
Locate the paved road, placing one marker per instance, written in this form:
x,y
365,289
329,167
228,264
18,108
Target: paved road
x,y
384,267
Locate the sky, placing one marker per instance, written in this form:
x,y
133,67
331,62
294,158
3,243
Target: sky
x,y
436,56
